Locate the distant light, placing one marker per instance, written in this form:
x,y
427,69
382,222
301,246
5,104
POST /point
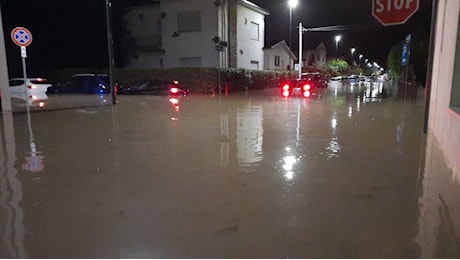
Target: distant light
x,y
338,38
174,90
293,3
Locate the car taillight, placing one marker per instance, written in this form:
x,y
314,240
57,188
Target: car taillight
x,y
306,90
174,90
285,90
31,87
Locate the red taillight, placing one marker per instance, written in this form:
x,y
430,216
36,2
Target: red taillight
x,y
286,90
306,87
31,87
307,93
174,90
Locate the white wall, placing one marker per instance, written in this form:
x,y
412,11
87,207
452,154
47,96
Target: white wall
x,y
269,58
144,25
190,44
248,49
444,123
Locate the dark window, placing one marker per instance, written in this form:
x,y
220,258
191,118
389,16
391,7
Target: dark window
x,y
16,82
277,61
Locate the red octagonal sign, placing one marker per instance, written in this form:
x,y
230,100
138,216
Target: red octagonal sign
x,y
393,12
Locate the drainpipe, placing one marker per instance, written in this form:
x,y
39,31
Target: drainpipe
x,y
429,73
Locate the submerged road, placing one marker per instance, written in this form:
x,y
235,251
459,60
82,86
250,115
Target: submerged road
x,y
347,173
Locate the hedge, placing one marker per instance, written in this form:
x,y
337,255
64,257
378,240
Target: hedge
x,y
196,80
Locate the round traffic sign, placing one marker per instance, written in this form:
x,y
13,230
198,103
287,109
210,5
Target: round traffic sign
x,y
394,12
21,36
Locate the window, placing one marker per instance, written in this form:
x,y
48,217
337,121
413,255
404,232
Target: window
x,y
189,22
254,65
254,31
190,62
16,82
277,61
455,93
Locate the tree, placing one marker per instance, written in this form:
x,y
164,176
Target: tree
x,y
337,66
418,60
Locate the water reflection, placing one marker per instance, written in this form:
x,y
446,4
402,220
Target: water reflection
x,y
249,135
11,193
439,220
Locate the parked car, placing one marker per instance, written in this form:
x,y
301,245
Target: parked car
x,y
154,87
84,84
32,90
316,78
297,87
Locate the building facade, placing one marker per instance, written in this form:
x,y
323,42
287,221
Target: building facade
x,y
278,57
200,33
444,106
316,58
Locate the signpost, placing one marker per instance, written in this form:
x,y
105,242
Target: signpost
x,y
22,38
394,12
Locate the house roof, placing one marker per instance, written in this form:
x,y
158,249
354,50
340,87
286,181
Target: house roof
x,y
253,7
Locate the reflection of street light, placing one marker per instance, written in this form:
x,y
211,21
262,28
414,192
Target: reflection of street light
x,y
292,4
337,39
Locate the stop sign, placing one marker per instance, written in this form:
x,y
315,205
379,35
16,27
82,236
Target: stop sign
x,y
393,12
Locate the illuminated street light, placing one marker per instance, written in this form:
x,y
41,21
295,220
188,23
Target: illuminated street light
x,y
352,52
292,4
337,39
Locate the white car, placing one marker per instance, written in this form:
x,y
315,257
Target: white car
x,y
33,90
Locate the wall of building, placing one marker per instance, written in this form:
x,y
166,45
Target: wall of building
x,y
444,123
269,58
190,45
144,23
249,51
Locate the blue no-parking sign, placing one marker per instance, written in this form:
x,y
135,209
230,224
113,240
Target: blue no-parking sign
x,y
21,36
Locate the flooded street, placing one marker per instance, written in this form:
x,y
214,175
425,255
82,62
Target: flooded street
x,y
347,173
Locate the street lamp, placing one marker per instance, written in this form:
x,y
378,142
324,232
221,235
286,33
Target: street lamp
x,y
337,39
352,52
292,4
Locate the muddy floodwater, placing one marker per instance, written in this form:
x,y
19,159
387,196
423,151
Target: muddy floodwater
x,y
347,173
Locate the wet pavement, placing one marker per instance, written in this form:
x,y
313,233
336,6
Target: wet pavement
x,y
347,173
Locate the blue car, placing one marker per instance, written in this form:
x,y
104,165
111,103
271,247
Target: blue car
x,y
84,84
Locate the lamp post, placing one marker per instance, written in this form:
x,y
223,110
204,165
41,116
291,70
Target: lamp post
x,y
337,39
108,13
292,4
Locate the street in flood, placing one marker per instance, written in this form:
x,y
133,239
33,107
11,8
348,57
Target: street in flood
x,y
346,173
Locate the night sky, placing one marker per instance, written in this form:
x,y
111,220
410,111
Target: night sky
x,y
73,33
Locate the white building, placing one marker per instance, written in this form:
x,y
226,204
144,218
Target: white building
x,y
199,33
278,57
316,58
444,111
